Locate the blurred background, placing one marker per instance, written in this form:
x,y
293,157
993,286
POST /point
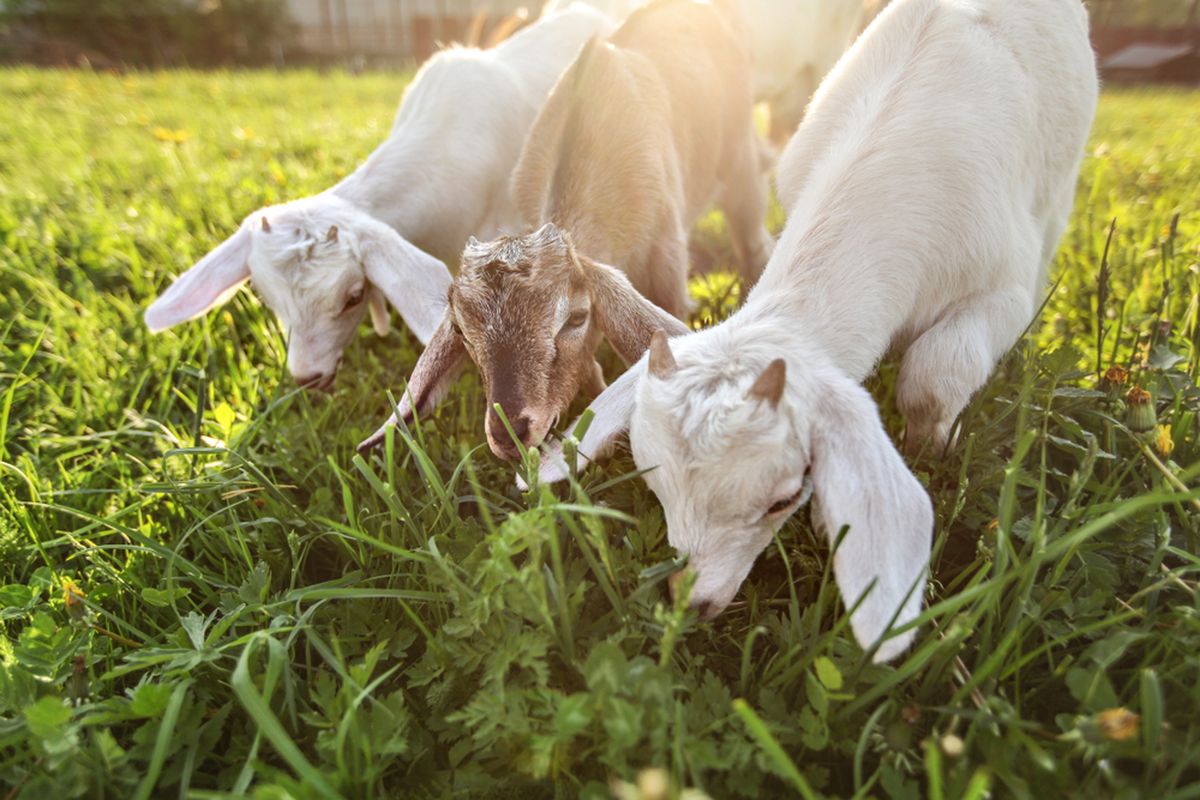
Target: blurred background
x,y
1137,40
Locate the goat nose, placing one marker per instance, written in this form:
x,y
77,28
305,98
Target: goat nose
x,y
310,378
519,424
706,609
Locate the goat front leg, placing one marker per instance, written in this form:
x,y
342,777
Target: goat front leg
x,y
667,273
744,202
951,360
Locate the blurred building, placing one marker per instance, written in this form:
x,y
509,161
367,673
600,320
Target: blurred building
x,y
388,31
1147,40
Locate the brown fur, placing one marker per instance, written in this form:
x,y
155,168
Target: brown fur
x,y
640,135
512,303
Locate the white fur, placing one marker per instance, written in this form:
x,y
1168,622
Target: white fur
x,y
794,44
616,9
441,175
926,189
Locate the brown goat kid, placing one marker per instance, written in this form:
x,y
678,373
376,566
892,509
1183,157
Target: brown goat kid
x,y
640,135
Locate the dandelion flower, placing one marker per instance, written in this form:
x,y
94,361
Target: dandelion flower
x,y
1118,724
1163,441
172,135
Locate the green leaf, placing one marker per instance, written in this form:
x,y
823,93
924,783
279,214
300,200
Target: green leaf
x,y
194,626
149,699
1164,358
268,724
818,697
828,673
1152,709
16,595
254,589
573,715
47,717
224,417
163,598
785,767
162,742
606,668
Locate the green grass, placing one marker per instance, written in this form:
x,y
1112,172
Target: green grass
x,y
205,593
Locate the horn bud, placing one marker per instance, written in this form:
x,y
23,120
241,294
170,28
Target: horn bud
x,y
770,384
332,235
266,226
662,361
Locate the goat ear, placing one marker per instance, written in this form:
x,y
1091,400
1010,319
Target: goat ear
x,y
611,412
209,283
381,316
413,281
860,481
627,319
435,371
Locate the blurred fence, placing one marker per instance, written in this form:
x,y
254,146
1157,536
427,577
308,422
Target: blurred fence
x,y
253,32
391,30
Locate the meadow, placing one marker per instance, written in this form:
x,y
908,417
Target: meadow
x,y
205,592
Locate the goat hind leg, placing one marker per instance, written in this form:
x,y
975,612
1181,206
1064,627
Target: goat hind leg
x,y
744,201
668,274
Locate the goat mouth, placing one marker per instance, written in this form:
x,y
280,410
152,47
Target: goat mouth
x,y
507,450
322,384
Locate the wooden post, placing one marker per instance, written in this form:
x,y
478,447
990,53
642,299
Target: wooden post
x,y
328,41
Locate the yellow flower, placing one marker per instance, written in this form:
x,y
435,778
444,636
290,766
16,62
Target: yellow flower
x,y
1118,724
73,600
1163,443
1117,375
175,136
72,594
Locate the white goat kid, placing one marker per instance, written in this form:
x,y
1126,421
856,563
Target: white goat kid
x,y
927,189
377,236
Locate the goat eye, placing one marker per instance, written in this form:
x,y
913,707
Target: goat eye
x,y
783,505
576,320
353,300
